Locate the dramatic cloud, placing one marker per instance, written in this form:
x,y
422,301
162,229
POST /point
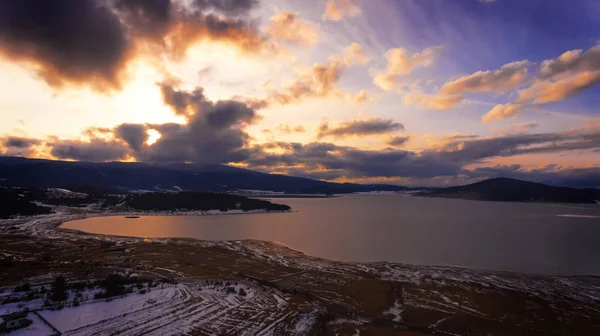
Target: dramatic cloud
x,y
401,63
336,10
550,91
573,61
320,80
450,94
91,41
214,132
361,127
287,27
469,151
65,41
558,79
235,7
18,146
326,160
206,139
134,135
19,142
502,80
94,150
221,114
500,112
398,141
434,102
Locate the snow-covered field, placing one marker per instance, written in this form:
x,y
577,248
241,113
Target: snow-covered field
x,y
37,328
201,307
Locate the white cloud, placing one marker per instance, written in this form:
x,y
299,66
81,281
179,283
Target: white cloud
x,y
401,63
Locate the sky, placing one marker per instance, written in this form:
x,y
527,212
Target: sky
x,y
409,92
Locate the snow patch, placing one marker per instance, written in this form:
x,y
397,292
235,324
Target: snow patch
x,y
396,311
63,193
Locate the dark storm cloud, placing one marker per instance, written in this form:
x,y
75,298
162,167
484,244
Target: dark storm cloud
x,y
226,114
179,101
472,150
146,18
94,150
339,161
398,141
214,132
66,40
91,41
19,142
476,149
222,114
18,146
448,159
234,7
134,135
362,127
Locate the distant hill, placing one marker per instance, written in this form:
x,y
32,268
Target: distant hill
x,y
512,190
17,201
190,201
130,176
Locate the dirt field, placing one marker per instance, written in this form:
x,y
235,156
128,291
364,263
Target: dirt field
x,y
296,294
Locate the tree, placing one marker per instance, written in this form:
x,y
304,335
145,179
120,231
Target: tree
x,y
113,285
59,287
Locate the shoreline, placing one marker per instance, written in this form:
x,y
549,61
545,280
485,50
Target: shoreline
x,y
373,297
56,227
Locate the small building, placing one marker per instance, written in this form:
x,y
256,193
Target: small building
x,y
13,321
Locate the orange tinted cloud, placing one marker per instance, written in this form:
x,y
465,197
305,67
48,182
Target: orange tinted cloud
x,y
508,77
321,79
549,91
502,111
435,102
287,27
335,10
360,97
360,127
518,128
558,79
401,63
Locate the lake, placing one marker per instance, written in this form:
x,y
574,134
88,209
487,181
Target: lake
x,y
523,237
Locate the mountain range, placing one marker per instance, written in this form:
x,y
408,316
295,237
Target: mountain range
x,y
137,176
130,176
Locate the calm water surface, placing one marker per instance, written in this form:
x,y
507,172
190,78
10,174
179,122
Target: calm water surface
x,y
523,237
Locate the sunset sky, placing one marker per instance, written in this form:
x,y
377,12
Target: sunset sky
x,y
411,92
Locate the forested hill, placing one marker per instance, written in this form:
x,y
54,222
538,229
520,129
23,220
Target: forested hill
x,y
512,190
197,201
37,201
